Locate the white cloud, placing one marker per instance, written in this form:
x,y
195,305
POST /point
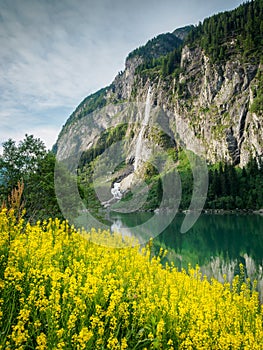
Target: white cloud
x,y
47,133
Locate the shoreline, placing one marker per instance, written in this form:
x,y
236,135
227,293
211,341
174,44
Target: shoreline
x,y
233,211
209,211
204,211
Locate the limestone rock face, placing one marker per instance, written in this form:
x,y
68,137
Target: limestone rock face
x,y
219,114
206,109
123,83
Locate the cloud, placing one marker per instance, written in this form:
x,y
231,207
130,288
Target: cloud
x,y
54,53
51,56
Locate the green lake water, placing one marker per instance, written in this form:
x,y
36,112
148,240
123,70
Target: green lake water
x,y
217,243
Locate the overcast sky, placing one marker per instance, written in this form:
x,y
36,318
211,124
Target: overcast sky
x,y
53,53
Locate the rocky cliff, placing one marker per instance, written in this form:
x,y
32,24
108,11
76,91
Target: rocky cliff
x,y
207,105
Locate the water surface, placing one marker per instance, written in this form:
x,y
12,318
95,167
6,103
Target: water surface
x,y
217,243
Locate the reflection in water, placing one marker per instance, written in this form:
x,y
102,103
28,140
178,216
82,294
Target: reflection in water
x,y
117,226
217,243
126,229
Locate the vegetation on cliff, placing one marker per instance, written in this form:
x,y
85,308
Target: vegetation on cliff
x,y
232,32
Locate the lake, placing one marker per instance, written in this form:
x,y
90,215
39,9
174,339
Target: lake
x,y
217,243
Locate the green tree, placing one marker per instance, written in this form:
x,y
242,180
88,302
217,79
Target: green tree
x,y
39,193
30,163
19,161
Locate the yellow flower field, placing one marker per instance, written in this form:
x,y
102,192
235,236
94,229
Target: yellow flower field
x,y
58,290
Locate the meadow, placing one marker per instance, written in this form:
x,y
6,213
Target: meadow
x,y
59,290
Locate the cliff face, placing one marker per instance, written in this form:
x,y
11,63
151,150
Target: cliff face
x,y
206,104
218,116
210,114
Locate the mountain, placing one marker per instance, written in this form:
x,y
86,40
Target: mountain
x,y
182,33
204,86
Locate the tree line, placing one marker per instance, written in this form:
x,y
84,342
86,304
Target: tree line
x,y
231,187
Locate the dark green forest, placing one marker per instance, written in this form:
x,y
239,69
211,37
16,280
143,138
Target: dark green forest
x,y
232,32
237,33
230,187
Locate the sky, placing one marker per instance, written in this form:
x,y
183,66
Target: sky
x,y
54,53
